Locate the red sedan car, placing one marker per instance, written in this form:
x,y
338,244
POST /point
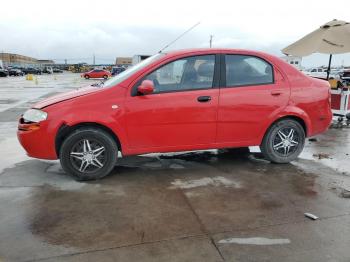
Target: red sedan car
x,y
177,101
97,73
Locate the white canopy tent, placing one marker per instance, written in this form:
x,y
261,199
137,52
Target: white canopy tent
x,y
331,38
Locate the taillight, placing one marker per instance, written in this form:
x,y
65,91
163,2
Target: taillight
x,y
329,96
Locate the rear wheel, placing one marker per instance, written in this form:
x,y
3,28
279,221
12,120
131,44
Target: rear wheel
x,y
283,142
105,76
88,154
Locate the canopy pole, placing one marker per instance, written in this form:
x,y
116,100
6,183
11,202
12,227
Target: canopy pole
x,y
329,66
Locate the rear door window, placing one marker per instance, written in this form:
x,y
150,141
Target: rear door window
x,y
244,70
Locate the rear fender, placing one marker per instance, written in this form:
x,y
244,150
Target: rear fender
x,y
289,111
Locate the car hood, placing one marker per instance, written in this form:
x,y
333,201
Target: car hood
x,y
66,96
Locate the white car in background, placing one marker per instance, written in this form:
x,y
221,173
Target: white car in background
x,y
321,73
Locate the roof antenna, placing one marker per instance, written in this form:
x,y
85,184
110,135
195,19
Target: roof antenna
x,y
179,37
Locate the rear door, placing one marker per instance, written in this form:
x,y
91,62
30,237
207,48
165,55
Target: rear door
x,y
182,112
253,92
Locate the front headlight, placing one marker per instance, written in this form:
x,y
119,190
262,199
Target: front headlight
x,y
34,115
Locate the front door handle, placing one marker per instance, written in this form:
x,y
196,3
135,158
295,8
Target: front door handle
x,y
276,92
203,99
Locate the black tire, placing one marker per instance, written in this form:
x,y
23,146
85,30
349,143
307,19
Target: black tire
x,y
105,76
86,77
278,150
96,138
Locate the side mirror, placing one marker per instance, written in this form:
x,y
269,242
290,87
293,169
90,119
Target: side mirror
x,y
146,87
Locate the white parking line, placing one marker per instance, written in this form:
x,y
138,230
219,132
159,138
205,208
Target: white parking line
x,y
261,241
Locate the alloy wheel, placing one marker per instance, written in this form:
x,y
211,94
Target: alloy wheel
x,y
88,156
286,141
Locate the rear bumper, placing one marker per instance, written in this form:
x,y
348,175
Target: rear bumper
x,y
322,123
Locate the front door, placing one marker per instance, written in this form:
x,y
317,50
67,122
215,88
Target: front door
x,y
181,112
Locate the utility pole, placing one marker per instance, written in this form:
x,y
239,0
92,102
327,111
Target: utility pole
x,y
211,40
93,60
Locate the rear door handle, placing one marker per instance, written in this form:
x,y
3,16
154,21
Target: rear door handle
x,y
276,92
203,99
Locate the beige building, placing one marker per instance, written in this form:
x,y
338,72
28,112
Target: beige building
x,y
123,61
9,59
45,62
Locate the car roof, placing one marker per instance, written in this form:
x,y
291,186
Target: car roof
x,y
214,50
202,51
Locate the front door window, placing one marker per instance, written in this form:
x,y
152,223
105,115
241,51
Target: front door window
x,y
190,73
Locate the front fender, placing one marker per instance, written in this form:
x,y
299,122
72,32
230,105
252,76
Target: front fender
x,y
109,122
70,114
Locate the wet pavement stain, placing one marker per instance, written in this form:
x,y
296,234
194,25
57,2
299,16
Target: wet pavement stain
x,y
105,214
79,219
304,186
138,204
7,101
135,204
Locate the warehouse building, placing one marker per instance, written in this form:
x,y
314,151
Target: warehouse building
x,y
45,62
293,60
123,61
9,59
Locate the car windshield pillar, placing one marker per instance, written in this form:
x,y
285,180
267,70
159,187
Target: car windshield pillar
x,y
131,70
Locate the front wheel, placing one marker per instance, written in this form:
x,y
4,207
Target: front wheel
x,y
347,116
88,154
105,76
283,142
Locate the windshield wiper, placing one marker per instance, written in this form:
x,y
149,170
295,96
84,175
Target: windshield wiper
x,y
99,84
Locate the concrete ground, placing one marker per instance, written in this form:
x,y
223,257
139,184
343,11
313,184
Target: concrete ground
x,y
197,206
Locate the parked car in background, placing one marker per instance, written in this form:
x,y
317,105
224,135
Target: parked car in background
x,y
316,72
32,70
178,101
57,70
47,70
321,73
117,70
346,76
15,72
97,73
3,72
